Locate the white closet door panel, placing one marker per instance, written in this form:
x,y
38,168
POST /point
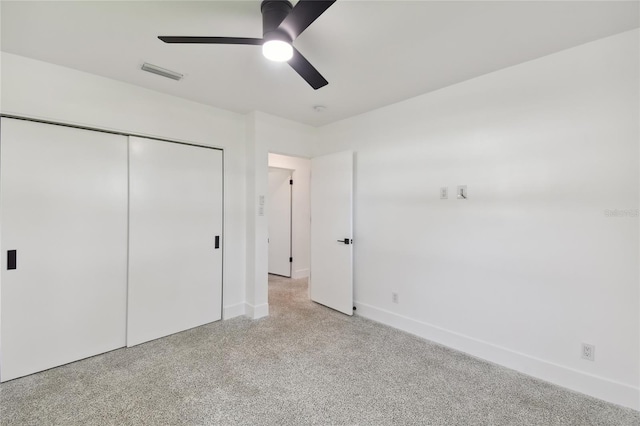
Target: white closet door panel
x,y
63,201
175,213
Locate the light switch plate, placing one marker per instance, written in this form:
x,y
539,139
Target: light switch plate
x,y
444,193
462,192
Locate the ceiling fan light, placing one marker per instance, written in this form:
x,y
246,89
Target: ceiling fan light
x,y
277,50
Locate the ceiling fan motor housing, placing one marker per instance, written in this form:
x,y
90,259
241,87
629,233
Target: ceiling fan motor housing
x,y
281,24
273,13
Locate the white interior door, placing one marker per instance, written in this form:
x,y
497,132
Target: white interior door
x,y
331,281
279,222
175,218
63,198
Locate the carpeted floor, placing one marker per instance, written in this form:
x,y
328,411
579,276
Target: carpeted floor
x,y
304,364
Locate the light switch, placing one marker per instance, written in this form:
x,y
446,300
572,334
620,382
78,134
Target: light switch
x,y
462,192
444,193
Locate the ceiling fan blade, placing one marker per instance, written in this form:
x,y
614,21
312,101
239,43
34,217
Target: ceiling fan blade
x,y
303,67
302,15
211,40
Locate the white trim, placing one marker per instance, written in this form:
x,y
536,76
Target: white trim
x,y
103,129
256,312
596,386
300,273
233,311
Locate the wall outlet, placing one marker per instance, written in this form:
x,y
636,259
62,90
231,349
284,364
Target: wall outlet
x,y
444,193
394,297
588,352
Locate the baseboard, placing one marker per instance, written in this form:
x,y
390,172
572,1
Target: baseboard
x,y
256,312
598,387
233,311
300,273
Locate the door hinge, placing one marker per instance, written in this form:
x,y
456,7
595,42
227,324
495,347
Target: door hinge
x,y
290,181
290,259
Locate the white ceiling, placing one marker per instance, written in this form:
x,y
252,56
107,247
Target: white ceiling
x,y
373,53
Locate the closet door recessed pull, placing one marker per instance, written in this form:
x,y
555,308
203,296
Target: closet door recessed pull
x,y
12,259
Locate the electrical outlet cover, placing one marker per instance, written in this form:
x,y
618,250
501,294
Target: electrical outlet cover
x,y
588,352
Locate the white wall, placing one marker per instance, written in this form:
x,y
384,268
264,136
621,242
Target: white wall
x,y
301,210
528,267
41,90
521,273
266,133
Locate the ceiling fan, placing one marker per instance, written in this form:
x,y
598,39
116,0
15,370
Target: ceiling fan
x,y
281,24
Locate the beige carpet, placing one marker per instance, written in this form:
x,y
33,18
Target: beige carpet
x,y
304,364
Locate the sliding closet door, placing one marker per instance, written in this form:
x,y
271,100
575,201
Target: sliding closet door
x,y
175,238
63,204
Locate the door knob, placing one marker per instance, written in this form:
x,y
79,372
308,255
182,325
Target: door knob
x,y
346,241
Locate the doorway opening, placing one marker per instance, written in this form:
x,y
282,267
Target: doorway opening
x,y
289,218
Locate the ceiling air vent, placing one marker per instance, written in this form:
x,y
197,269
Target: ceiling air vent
x,y
161,71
